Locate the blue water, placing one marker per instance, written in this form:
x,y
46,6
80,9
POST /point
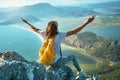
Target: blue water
x,y
24,42
28,44
109,32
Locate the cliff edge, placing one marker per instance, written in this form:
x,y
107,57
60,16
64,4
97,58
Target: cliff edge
x,y
15,67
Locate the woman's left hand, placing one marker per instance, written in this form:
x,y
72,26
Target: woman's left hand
x,y
90,19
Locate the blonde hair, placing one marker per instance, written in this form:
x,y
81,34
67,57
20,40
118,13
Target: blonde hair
x,y
51,29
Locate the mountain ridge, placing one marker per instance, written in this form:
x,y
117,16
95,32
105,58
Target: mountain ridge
x,y
45,10
97,46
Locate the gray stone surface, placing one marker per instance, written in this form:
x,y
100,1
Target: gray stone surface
x,y
14,67
64,73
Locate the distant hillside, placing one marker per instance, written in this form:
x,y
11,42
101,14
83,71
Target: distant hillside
x,y
41,10
3,16
17,19
76,11
109,4
105,8
44,10
106,48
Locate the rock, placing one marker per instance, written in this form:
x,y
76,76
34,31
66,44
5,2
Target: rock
x,y
15,67
64,73
13,56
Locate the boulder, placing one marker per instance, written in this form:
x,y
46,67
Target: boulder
x,y
14,67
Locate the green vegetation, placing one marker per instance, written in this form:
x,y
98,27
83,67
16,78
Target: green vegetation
x,y
106,72
97,46
104,51
102,67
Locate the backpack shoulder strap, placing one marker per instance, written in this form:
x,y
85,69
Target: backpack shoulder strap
x,y
60,52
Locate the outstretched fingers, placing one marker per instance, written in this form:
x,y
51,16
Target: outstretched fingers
x,y
93,17
24,20
90,19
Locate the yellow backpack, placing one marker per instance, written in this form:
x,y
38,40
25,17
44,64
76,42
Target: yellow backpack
x,y
46,53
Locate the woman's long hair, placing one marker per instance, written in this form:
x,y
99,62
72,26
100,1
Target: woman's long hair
x,y
51,29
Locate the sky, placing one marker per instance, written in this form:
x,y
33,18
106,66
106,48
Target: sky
x,y
19,3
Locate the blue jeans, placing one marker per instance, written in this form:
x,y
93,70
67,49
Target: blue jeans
x,y
63,61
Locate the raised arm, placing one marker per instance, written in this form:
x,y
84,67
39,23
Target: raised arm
x,y
31,26
76,30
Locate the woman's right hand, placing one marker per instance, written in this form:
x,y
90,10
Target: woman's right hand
x,y
24,20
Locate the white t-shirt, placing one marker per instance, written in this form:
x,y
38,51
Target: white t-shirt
x,y
57,43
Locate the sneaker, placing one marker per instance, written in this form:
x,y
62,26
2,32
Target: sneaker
x,y
81,75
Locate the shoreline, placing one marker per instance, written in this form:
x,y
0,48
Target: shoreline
x,y
65,47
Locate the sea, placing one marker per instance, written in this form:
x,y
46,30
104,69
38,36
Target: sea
x,y
108,32
27,43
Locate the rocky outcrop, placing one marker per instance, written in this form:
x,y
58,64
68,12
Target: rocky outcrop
x,y
14,67
64,73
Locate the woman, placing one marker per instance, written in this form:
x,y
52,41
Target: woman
x,y
51,31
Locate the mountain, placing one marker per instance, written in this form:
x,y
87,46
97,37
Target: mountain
x,y
106,8
76,11
3,16
106,48
45,10
109,4
17,19
42,10
38,10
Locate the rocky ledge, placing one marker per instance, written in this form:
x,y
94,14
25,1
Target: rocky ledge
x,y
15,67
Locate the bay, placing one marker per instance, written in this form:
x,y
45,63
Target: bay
x,y
24,42
109,32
